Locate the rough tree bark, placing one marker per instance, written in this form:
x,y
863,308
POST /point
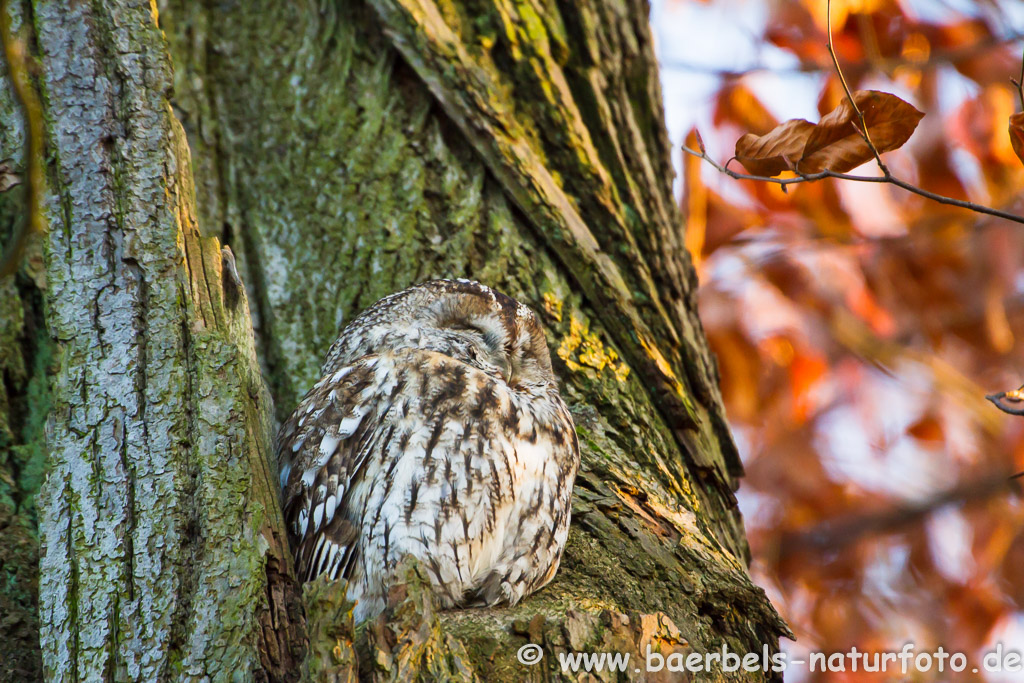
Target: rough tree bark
x,y
344,150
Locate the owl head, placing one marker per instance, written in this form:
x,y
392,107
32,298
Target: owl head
x,y
459,318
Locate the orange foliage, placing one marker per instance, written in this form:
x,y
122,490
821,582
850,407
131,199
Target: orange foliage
x,y
858,330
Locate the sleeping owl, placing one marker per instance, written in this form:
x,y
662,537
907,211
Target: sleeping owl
x,y
437,432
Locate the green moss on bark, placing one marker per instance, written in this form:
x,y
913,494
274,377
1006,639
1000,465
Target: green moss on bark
x,y
376,145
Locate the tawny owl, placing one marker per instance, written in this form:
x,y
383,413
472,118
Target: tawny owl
x,y
436,431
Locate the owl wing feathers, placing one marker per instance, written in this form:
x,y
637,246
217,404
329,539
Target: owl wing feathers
x,y
327,442
341,439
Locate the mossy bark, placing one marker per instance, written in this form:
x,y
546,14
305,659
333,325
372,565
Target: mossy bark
x,y
346,150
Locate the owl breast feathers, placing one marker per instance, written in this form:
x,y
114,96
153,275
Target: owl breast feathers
x,y
437,431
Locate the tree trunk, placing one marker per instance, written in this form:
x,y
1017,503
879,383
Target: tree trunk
x,y
346,150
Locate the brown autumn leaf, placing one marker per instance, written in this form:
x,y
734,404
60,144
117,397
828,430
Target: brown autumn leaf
x,y
835,143
767,154
1017,134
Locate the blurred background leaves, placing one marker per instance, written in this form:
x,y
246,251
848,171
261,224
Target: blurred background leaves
x,y
858,327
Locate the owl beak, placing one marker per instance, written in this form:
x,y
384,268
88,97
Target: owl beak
x,y
503,365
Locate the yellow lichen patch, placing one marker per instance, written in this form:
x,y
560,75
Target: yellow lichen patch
x,y
553,306
590,604
621,371
570,343
589,351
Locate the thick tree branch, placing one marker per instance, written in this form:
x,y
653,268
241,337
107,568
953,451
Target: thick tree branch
x,y
17,59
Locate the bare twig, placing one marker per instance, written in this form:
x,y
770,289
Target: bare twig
x,y
863,129
888,178
1019,82
18,72
1010,402
887,64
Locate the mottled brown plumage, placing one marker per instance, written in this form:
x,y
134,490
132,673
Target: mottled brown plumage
x,y
436,431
